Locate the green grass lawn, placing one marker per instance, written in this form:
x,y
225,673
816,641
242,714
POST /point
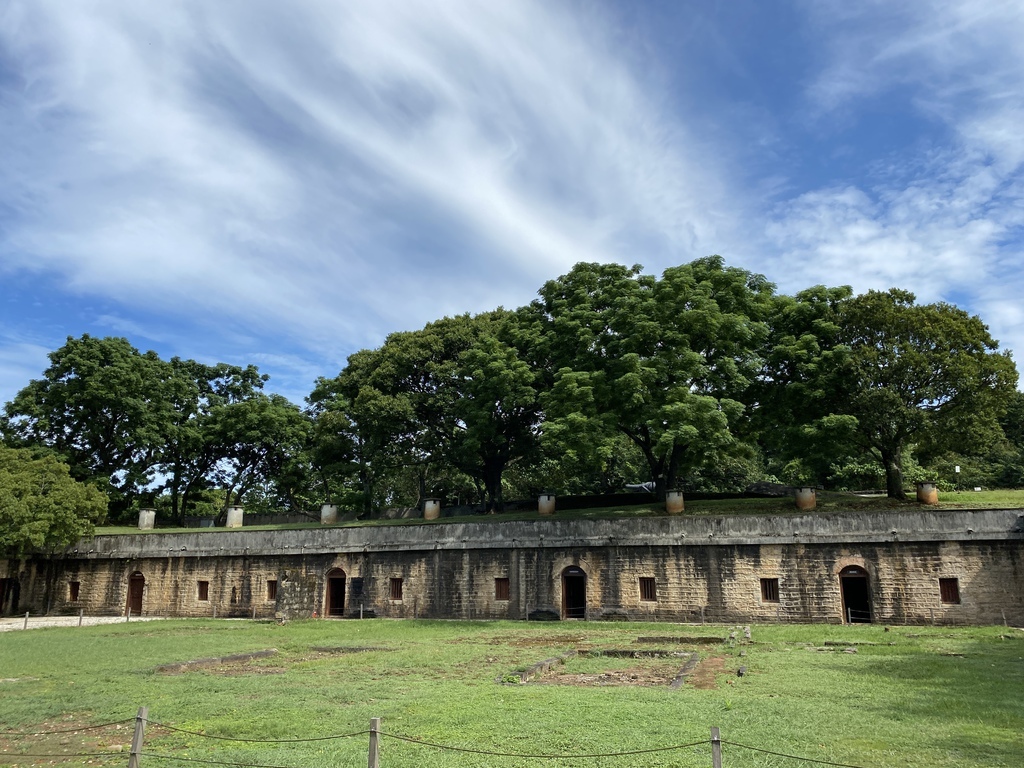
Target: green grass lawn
x,y
912,696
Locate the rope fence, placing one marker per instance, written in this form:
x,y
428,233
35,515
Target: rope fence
x,y
373,758
155,724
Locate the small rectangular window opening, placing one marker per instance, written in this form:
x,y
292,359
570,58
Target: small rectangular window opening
x,y
501,589
203,590
271,589
648,589
73,587
949,591
396,589
770,590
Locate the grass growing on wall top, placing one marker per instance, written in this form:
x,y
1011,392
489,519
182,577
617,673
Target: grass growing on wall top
x,y
827,502
912,696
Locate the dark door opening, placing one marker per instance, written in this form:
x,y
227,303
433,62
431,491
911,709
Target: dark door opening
x,y
8,596
335,601
136,587
574,593
853,582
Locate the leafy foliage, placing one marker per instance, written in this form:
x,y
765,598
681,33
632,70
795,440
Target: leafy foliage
x,y
139,425
928,375
100,407
703,379
456,393
41,505
668,363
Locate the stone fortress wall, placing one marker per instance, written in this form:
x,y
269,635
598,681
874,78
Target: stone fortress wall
x,y
942,566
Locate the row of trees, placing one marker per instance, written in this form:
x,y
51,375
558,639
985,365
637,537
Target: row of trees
x,y
137,426
703,378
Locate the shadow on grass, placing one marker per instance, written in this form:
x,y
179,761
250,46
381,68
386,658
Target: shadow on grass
x,y
961,692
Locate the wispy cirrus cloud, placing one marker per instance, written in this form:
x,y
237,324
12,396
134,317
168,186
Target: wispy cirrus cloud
x,y
254,181
332,171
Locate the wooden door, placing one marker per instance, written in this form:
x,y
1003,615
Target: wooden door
x,y
136,588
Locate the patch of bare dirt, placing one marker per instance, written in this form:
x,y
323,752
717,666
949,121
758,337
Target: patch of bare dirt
x,y
63,740
242,669
533,642
221,663
638,676
705,676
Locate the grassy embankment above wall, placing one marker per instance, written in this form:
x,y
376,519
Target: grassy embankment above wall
x,y
827,502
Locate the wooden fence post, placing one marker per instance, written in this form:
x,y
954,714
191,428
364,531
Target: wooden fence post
x,y
716,749
373,760
140,731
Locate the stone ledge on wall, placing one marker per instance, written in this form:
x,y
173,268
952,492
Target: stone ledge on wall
x,y
731,530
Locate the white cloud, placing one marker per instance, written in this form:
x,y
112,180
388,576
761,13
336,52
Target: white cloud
x,y
946,222
334,170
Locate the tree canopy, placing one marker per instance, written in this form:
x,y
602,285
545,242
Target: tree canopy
x,y
456,392
702,378
876,375
41,505
100,406
142,427
924,375
668,363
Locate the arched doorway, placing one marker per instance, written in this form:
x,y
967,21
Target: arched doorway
x,y
334,603
856,592
136,589
574,593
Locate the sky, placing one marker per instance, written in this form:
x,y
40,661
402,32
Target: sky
x,y
284,184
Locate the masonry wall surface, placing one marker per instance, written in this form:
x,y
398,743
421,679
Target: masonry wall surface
x,y
708,568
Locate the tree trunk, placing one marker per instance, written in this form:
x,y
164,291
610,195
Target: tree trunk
x,y
186,497
656,466
671,472
421,486
176,515
327,485
894,474
366,482
492,484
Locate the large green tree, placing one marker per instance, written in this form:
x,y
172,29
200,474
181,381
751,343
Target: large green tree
x,y
927,376
41,505
667,362
100,406
455,395
793,400
257,438
195,441
877,377
139,425
364,429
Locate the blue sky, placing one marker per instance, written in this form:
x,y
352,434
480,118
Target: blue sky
x,y
285,183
